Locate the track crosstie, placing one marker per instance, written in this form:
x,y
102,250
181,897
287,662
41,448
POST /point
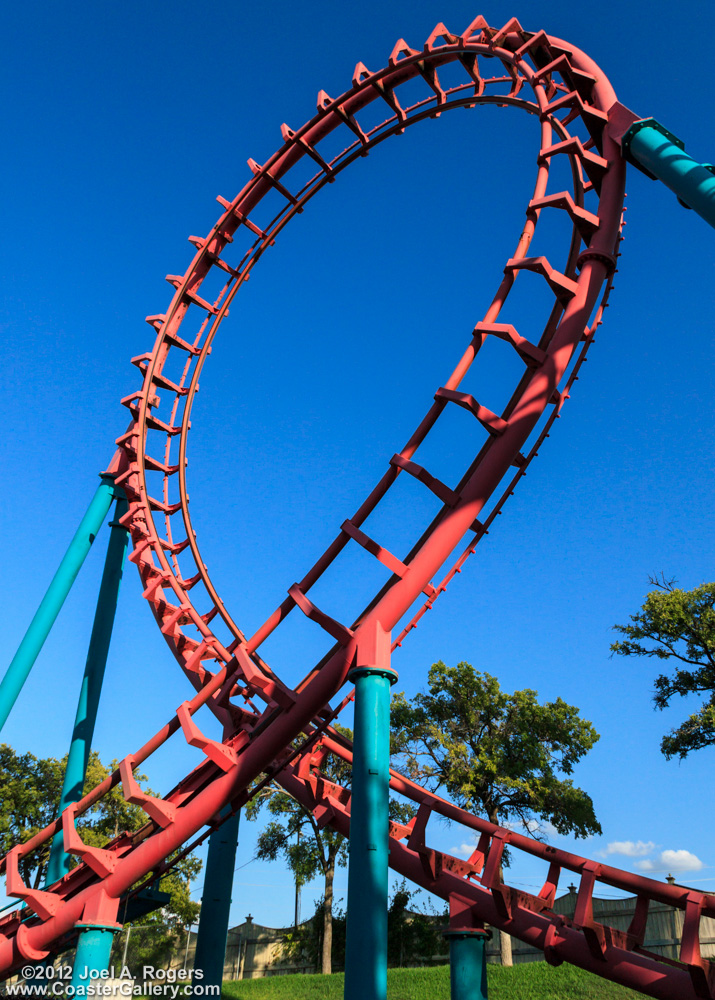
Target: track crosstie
x,y
283,732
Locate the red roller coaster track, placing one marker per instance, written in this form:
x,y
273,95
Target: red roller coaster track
x,y
283,732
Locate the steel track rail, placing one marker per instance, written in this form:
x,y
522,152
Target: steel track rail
x,y
475,886
198,646
223,664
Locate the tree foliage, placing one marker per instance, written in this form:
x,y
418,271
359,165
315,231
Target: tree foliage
x,y
30,789
413,936
29,792
496,752
680,625
307,849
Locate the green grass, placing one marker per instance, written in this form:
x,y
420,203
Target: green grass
x,y
530,981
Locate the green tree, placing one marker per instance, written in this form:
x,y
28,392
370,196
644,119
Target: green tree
x,y
308,851
499,753
30,790
306,944
413,936
111,816
678,624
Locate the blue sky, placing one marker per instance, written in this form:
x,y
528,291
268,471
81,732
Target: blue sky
x,y
121,127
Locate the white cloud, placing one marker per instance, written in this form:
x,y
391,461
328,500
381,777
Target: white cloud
x,y
538,827
629,848
545,829
463,850
681,861
672,861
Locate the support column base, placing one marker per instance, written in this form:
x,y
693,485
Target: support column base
x,y
94,947
467,963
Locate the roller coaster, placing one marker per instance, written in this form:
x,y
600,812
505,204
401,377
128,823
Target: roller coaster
x,y
273,731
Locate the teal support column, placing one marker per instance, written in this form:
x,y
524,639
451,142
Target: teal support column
x,y
94,947
53,600
216,902
467,964
91,688
661,155
366,944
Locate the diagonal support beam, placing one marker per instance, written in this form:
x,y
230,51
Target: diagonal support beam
x,y
40,626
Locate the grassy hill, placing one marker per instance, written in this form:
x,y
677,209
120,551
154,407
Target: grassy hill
x,y
529,981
